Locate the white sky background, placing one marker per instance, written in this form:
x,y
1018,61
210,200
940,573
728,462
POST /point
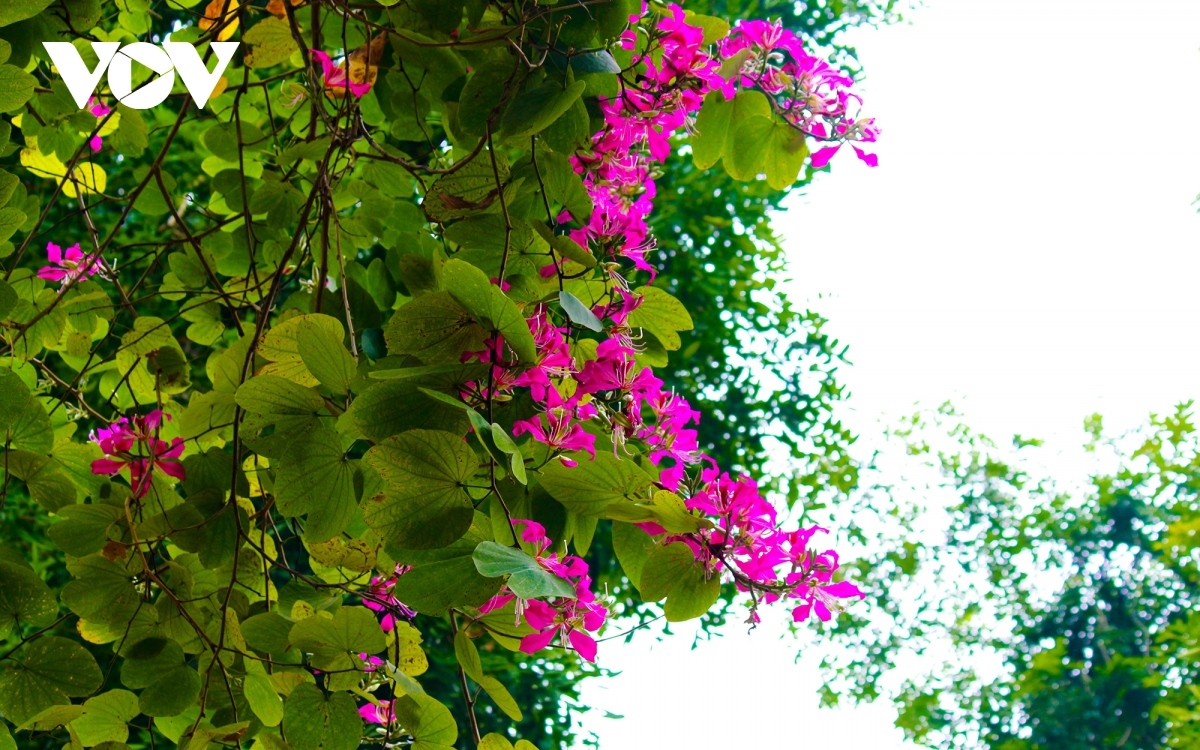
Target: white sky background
x,y
1026,247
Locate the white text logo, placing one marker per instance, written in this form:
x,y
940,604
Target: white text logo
x,y
118,61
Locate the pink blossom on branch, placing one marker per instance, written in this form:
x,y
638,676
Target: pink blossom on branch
x,y
134,444
68,265
742,539
571,621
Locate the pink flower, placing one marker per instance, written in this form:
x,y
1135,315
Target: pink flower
x,y
99,110
560,429
822,157
336,78
381,599
615,369
68,266
823,599
134,444
569,620
376,715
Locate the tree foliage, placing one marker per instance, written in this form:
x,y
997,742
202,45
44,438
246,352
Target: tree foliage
x,y
1040,614
316,388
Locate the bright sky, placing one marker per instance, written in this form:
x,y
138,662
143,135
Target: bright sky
x,y
1027,247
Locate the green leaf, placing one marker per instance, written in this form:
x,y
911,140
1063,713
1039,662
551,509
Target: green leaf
x,y
8,299
132,137
24,599
490,306
613,17
169,686
50,672
6,739
423,504
313,720
430,723
314,478
12,11
594,484
267,632
785,155
505,443
578,312
714,28
494,741
527,578
51,718
271,42
396,406
718,126
751,140
445,577
443,15
105,718
481,94
102,591
471,187
11,219
326,358
712,128
468,657
672,514
632,547
662,315
263,700
84,528
281,345
672,572
434,328
564,185
271,394
534,110
16,87
24,424
501,697
47,483
336,642
171,695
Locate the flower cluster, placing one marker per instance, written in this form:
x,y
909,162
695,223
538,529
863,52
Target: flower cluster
x,y
610,393
570,620
744,541
811,94
134,444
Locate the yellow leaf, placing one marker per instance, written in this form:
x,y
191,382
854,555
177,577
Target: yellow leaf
x,y
42,165
252,466
413,661
222,84
223,13
362,65
275,7
302,610
85,178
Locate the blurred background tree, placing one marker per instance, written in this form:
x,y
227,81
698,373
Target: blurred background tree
x,y
1025,613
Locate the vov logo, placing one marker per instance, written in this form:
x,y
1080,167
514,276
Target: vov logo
x,y
118,61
